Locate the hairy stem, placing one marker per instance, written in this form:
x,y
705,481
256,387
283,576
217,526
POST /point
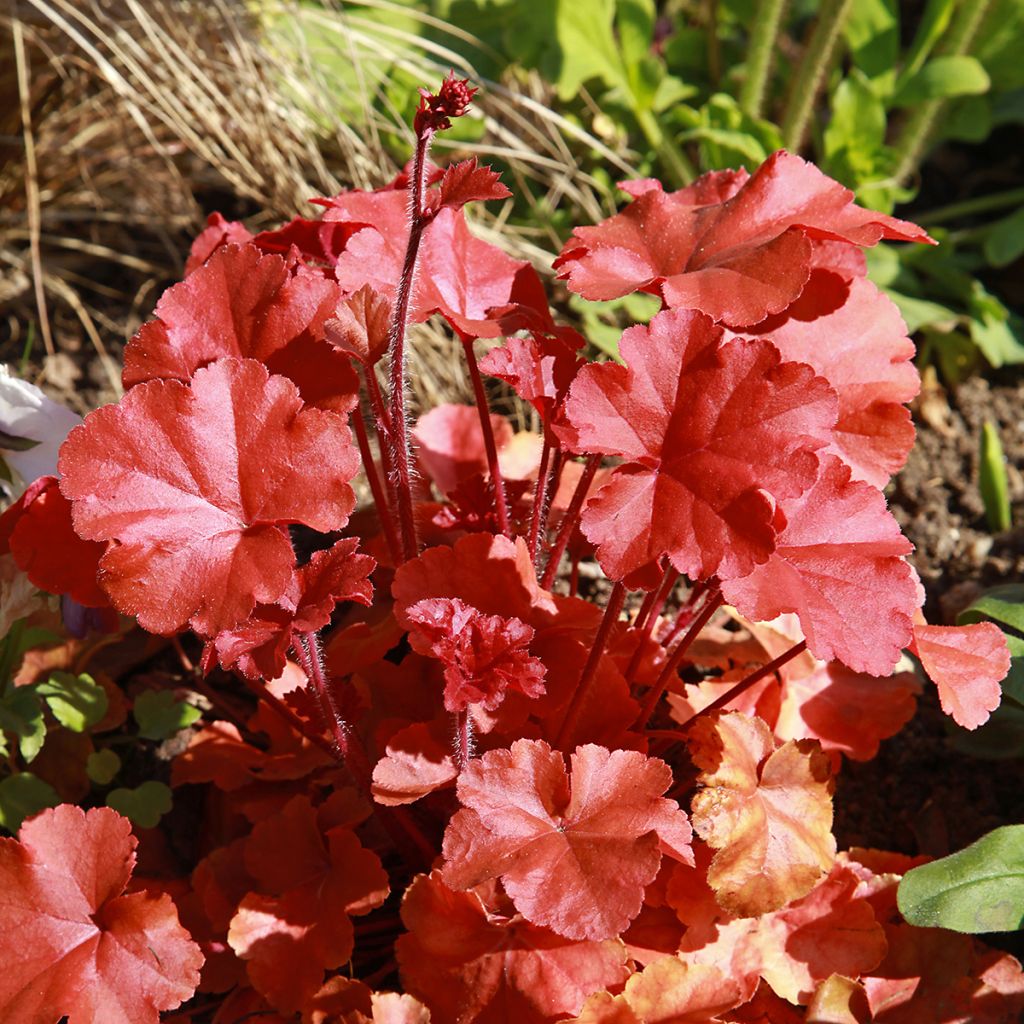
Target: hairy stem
x,y
463,739
711,605
677,165
919,127
399,427
376,488
572,515
583,687
540,498
760,51
500,502
811,71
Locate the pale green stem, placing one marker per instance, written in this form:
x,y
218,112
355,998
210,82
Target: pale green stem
x,y
811,71
919,127
763,35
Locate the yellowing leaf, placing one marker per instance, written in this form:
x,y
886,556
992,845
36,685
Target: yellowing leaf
x,y
767,811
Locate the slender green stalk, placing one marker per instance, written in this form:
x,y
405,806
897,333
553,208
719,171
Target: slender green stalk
x,y
811,71
675,163
760,51
970,207
918,129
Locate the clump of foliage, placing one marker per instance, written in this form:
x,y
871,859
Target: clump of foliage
x,y
512,801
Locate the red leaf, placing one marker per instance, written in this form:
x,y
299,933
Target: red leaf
x,y
867,359
966,664
828,705
416,761
258,647
494,575
360,326
46,548
738,250
298,925
573,857
711,437
218,232
540,368
485,656
194,484
72,943
475,286
487,964
466,182
243,303
450,443
839,566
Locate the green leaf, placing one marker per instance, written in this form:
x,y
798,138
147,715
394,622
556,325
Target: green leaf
x,y
858,117
872,31
979,889
1005,607
934,21
143,806
102,765
995,490
1001,738
77,702
998,336
21,713
942,78
23,795
159,714
1004,242
13,443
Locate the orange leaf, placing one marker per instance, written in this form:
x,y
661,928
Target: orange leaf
x,y
767,811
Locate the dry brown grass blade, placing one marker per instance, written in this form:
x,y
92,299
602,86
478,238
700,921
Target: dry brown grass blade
x,y
145,114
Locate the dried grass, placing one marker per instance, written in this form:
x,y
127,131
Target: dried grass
x,y
122,122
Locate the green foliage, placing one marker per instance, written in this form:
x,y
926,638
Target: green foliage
x,y
995,490
1002,736
77,702
143,806
102,766
979,889
160,714
23,795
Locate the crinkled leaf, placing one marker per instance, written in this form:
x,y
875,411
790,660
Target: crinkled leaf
x,y
711,436
767,811
484,656
839,565
600,835
738,259
66,919
194,485
311,879
466,182
244,303
489,964
360,325
867,359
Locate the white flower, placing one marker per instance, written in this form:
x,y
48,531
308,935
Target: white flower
x,y
32,427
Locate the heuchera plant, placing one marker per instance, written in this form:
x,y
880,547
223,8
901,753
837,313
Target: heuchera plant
x,y
464,776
